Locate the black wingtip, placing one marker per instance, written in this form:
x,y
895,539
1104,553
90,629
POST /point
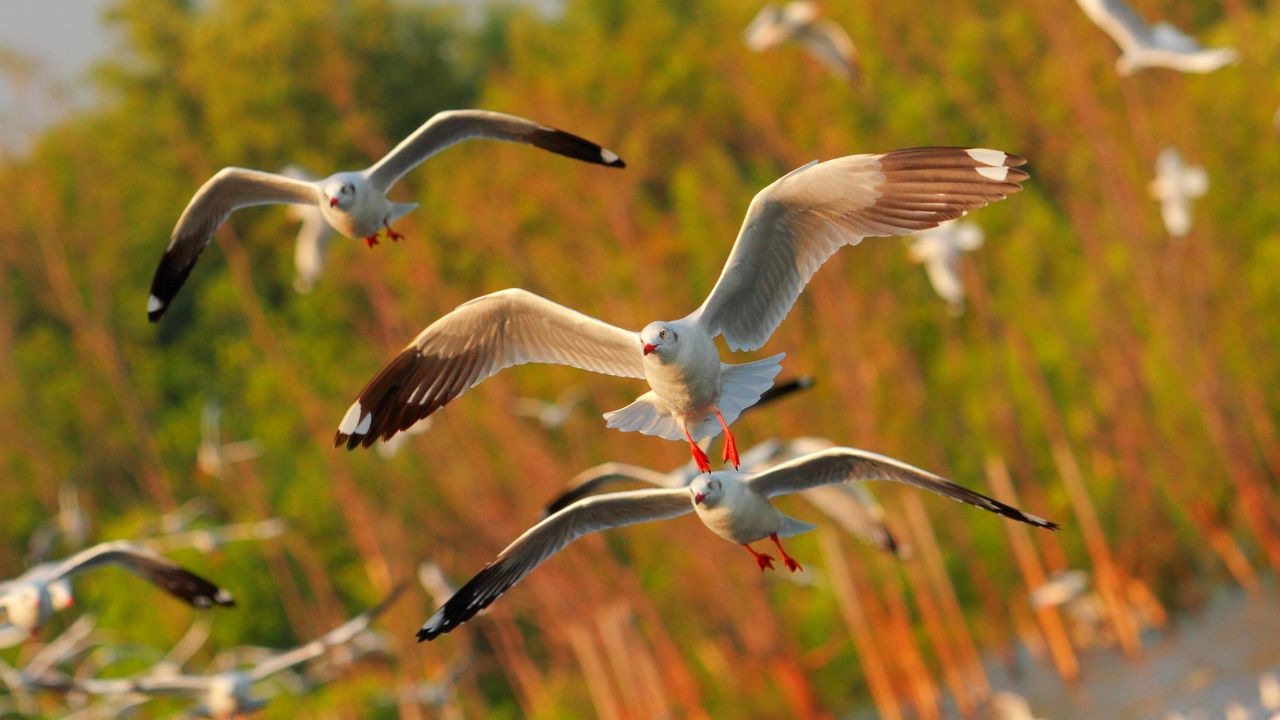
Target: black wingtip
x,y
171,274
570,145
423,635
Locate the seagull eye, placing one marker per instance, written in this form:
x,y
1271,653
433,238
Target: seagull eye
x,y
663,334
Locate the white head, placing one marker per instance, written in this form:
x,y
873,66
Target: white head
x,y
339,191
660,340
22,606
60,596
706,490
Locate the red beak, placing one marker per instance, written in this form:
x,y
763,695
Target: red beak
x,y
649,348
698,498
333,202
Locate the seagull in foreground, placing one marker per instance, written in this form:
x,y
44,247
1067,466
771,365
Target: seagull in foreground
x,y
227,694
939,250
313,238
1176,184
733,505
791,228
1160,45
213,456
30,599
354,203
798,21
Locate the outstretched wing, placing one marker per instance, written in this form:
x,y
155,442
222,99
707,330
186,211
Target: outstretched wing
x,y
454,126
843,464
1119,20
546,539
178,582
799,221
475,341
224,193
593,480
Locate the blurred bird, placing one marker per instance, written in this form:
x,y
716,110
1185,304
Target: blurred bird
x,y
1269,691
791,228
228,694
733,505
798,22
30,599
552,415
1060,588
939,250
69,527
392,446
313,238
213,456
1006,705
1160,45
354,203
1176,184
211,539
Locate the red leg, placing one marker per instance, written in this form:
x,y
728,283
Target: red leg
x,y
792,565
392,233
764,561
730,445
704,465
371,240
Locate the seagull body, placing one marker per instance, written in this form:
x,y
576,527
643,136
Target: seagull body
x,y
30,599
1144,45
353,202
798,22
791,228
1175,185
733,505
313,238
939,250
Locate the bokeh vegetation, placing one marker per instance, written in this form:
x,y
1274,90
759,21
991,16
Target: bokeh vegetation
x,y
1096,351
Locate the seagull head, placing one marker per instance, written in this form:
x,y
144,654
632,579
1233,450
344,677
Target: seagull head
x,y
22,606
706,490
658,338
60,596
339,192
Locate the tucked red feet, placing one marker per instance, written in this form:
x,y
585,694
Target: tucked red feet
x,y
730,454
699,457
371,241
764,561
397,237
792,565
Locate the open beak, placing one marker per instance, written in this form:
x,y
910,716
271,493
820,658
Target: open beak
x,y
649,348
333,202
698,498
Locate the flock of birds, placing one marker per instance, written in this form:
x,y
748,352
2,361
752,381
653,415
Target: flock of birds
x,y
790,229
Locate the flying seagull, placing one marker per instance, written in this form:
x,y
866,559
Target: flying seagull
x,y
551,415
733,505
353,202
1175,185
212,455
798,22
314,235
791,228
30,599
207,540
1144,45
939,250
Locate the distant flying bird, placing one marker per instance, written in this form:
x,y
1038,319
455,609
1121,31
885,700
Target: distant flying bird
x,y
392,446
798,22
70,526
354,202
939,250
733,505
791,228
211,539
228,694
552,415
1160,45
213,456
1175,185
30,599
313,238
1060,588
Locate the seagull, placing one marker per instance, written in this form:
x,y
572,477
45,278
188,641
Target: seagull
x,y
228,694
391,447
354,203
852,507
733,505
313,237
798,21
1176,184
70,526
1060,588
1160,45
213,456
939,250
552,415
791,228
209,540
30,599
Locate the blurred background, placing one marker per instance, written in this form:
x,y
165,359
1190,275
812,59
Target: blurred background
x,y
1102,375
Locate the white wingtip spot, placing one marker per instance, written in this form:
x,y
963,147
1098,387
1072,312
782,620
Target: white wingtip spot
x,y
223,597
987,156
609,156
351,421
154,303
995,173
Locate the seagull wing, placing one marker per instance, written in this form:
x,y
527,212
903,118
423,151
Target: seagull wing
x,y
231,189
829,44
1119,20
475,341
593,480
799,221
178,582
766,29
310,248
546,539
856,512
842,464
454,126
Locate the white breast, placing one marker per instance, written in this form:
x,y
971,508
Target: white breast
x,y
741,516
689,383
